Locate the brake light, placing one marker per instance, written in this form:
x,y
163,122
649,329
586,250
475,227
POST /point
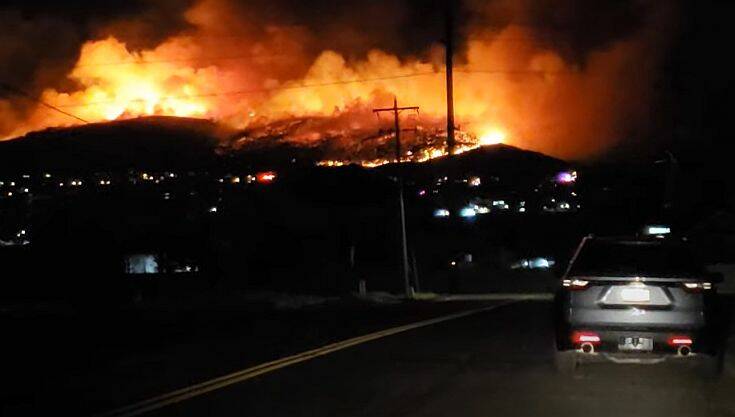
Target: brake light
x,y
575,284
697,286
579,337
680,341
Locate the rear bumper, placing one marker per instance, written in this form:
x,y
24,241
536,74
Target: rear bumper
x,y
637,358
610,340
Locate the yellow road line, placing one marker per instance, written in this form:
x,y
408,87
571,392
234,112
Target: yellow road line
x,y
196,390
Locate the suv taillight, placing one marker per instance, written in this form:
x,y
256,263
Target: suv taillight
x,y
575,284
696,286
676,341
579,337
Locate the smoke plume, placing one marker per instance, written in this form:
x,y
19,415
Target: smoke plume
x,y
567,78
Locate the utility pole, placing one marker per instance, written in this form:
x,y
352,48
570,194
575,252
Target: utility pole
x,y
449,61
396,110
404,240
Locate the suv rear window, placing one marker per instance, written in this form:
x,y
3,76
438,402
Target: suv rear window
x,y
649,259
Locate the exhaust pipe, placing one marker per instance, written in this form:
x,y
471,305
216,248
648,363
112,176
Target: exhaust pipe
x,y
684,350
588,348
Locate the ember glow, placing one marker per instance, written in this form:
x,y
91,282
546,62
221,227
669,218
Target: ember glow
x,y
508,91
492,137
266,177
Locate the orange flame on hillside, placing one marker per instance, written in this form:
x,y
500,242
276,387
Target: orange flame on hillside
x,y
506,90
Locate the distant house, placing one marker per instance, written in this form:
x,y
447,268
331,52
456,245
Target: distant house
x,y
141,264
150,263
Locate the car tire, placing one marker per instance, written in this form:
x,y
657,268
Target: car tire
x,y
565,362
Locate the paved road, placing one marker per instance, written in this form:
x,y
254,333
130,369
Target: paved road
x,y
496,363
84,363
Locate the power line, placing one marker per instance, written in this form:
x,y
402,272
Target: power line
x,y
173,61
316,85
521,72
261,90
266,90
492,38
27,96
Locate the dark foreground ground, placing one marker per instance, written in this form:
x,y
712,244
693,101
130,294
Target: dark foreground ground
x,y
491,364
497,362
83,362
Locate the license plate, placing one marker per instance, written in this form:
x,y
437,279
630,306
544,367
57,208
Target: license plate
x,y
635,295
634,343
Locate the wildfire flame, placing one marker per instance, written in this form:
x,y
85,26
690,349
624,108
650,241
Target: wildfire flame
x,y
425,154
492,137
130,86
530,96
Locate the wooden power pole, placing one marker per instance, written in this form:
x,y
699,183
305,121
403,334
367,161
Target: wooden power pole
x,y
404,240
449,58
396,110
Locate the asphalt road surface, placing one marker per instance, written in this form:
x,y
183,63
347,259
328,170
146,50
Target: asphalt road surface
x,y
495,363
